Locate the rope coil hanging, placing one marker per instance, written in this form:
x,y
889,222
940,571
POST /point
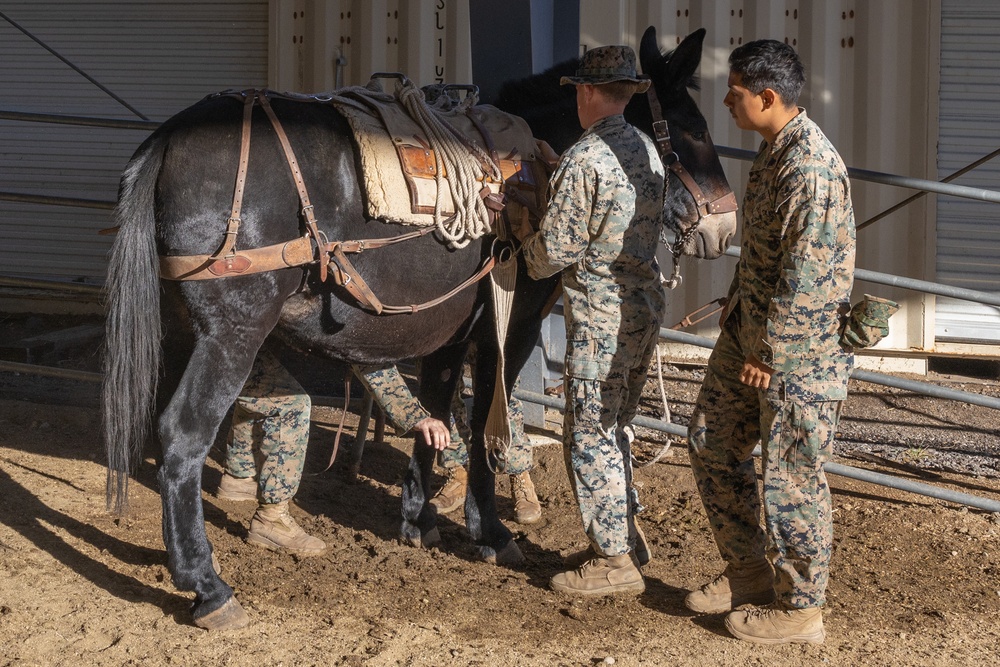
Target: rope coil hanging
x,y
465,163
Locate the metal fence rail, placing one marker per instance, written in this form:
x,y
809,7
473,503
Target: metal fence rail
x,y
869,476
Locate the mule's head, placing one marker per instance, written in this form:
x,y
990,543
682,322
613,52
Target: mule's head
x,y
699,205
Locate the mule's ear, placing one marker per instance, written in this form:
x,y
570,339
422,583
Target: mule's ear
x,y
649,51
685,59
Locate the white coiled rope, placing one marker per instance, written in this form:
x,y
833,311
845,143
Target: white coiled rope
x,y
464,162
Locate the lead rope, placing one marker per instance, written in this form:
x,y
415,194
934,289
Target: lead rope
x,y
666,416
699,315
465,165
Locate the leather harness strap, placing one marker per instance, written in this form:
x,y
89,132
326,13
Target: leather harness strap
x,y
227,250
311,248
484,271
257,260
726,203
300,184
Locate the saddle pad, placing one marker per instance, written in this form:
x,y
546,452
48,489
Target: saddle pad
x,y
398,163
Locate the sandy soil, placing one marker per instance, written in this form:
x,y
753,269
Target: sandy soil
x,y
915,581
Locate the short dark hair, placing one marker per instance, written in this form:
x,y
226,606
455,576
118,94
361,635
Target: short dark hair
x,y
768,63
618,91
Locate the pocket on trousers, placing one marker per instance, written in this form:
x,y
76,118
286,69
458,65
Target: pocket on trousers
x,y
588,358
803,438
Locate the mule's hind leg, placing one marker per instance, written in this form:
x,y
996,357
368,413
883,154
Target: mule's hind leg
x,y
439,374
495,541
187,428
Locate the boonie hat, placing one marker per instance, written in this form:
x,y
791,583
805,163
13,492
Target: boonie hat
x,y
868,322
606,64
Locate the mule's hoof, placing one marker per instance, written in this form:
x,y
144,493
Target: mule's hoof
x,y
230,616
509,555
431,538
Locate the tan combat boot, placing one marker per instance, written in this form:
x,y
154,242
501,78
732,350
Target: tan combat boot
x,y
751,584
272,527
604,575
236,488
452,494
777,625
643,554
527,509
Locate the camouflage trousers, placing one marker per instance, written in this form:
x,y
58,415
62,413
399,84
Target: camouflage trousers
x,y
519,456
270,430
598,454
728,420
599,461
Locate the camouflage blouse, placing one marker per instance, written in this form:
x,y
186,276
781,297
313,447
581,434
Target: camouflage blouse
x,y
796,269
601,230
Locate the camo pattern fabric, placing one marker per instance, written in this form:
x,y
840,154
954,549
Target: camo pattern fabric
x,y
796,268
601,230
519,456
388,389
724,429
270,431
795,271
598,454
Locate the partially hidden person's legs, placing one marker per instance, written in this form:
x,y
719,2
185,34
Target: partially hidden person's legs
x,y
520,461
239,475
454,459
280,410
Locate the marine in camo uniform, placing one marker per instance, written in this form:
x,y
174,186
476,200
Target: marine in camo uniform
x,y
389,390
778,373
265,455
270,432
601,230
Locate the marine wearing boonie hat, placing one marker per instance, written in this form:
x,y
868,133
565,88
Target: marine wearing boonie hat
x,y
606,64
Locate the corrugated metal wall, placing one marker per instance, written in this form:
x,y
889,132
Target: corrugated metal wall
x,y
327,44
968,237
159,56
871,69
872,86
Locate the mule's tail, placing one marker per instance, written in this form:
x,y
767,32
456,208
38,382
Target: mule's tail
x,y
132,329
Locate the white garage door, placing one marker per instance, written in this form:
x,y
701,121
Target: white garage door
x,y
157,56
968,234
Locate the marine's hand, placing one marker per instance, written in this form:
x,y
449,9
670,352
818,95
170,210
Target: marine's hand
x,y
755,373
436,432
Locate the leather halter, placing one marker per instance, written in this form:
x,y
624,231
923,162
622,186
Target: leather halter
x,y
725,203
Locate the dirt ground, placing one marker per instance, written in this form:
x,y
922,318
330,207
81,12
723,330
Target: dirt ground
x,y
915,581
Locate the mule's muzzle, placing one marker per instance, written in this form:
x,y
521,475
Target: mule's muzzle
x,y
714,235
